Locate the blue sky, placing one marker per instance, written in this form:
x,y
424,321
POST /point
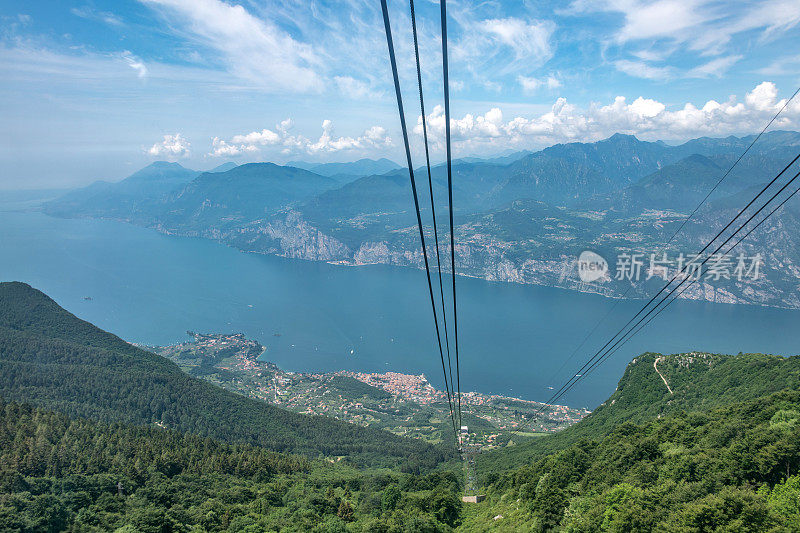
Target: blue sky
x,y
96,89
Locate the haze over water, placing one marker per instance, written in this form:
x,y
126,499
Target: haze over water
x,y
151,288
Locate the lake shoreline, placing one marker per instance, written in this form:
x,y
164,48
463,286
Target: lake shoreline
x,y
150,288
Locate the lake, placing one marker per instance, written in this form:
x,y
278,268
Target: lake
x,y
151,288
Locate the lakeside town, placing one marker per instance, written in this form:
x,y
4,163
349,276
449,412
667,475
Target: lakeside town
x,y
404,404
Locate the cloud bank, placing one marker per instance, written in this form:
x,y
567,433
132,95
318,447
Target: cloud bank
x,y
492,131
374,139
646,118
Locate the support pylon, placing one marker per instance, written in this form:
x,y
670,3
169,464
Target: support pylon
x,y
469,453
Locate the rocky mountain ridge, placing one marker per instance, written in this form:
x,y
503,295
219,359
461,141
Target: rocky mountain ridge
x,y
525,221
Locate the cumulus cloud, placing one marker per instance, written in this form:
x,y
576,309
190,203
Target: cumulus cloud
x,y
254,49
172,147
643,117
281,138
491,131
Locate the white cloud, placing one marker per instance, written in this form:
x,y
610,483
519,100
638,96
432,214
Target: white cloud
x,y
172,147
640,69
531,85
763,97
644,117
354,88
491,48
781,66
704,26
373,139
772,17
649,54
87,12
489,132
530,40
264,137
254,49
662,18
715,68
135,63
553,82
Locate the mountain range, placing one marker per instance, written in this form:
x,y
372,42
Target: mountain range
x,y
523,218
348,171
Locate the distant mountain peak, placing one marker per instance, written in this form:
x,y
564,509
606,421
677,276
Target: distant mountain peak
x,y
165,164
622,137
224,167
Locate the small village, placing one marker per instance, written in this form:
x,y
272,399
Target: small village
x,y
404,404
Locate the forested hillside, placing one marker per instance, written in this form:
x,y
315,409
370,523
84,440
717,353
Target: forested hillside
x,y
732,468
699,382
59,474
50,358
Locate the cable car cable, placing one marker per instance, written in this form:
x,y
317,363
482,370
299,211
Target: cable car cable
x,y
399,96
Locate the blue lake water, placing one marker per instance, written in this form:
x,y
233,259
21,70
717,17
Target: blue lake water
x,y
151,288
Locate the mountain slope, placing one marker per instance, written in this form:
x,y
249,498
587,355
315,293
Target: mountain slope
x,y
52,359
125,198
699,382
224,167
239,195
681,185
63,474
688,442
565,173
732,468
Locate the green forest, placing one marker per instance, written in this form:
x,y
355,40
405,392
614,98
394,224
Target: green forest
x,y
98,435
731,468
58,473
52,359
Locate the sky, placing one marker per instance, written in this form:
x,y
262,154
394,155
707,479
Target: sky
x,y
96,89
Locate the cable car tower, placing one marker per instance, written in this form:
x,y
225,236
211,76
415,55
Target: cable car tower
x,y
469,454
